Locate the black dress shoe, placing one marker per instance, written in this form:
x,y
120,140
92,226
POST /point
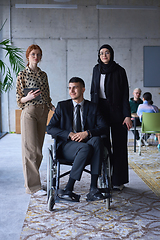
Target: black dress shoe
x,y
68,195
94,195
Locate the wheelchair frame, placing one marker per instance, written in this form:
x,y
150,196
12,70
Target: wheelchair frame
x,y
53,176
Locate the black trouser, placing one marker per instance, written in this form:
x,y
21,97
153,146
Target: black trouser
x,y
116,142
82,154
119,155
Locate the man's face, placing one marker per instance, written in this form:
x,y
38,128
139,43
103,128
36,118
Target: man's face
x,y
76,91
136,94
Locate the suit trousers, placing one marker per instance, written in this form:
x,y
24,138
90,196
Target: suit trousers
x,y
33,127
82,154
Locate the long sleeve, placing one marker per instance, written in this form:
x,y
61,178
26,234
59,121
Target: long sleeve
x,y
125,99
19,89
56,126
94,92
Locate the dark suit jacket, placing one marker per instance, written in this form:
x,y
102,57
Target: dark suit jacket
x,y
61,123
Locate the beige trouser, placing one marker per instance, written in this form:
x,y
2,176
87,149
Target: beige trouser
x,y
33,127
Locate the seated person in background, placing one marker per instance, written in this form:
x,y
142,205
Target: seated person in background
x,y
135,100
134,103
79,140
148,106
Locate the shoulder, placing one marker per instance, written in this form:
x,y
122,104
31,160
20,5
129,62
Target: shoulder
x,y
156,108
22,72
90,104
96,67
64,103
42,73
120,68
141,106
63,107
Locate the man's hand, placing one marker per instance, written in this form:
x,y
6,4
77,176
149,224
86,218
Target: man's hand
x,y
128,122
78,137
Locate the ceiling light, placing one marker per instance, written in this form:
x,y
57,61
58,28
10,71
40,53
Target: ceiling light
x,y
61,6
62,0
126,7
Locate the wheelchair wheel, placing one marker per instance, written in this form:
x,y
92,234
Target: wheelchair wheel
x,y
105,178
51,202
50,187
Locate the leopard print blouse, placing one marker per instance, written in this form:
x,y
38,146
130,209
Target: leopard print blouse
x,y
30,79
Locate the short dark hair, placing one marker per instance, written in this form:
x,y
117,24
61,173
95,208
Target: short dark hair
x,y
77,79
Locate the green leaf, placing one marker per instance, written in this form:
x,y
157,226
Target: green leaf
x,y
14,55
2,67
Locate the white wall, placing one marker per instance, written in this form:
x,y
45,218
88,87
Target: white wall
x,y
70,40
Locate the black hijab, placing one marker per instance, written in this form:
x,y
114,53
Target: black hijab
x,y
107,68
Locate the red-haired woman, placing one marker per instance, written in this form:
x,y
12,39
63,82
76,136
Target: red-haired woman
x,y
35,106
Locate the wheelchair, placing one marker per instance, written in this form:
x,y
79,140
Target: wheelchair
x,y
54,176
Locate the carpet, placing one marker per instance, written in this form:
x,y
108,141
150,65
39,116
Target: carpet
x,y
134,214
147,166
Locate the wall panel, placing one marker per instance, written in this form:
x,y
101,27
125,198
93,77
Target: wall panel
x,y
70,40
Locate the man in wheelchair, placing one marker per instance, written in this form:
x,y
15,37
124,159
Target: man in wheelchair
x,y
78,125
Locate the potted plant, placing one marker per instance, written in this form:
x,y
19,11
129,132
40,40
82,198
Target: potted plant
x,y
16,64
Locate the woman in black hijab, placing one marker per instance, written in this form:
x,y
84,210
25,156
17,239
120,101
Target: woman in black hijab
x,y
109,89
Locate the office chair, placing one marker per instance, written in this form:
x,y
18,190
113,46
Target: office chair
x,y
150,124
53,176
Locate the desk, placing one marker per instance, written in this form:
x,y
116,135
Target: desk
x,y
133,115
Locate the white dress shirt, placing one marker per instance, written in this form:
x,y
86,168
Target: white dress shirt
x,y
101,89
